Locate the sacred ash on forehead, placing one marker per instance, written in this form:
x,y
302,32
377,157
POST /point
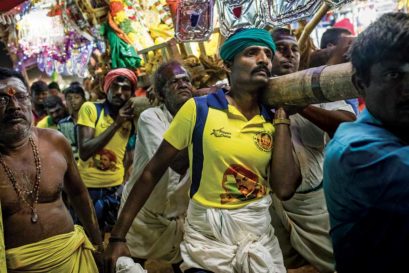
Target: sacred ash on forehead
x,y
12,85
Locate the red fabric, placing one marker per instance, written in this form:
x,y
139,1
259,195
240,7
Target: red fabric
x,y
110,77
345,23
9,4
115,7
173,5
140,92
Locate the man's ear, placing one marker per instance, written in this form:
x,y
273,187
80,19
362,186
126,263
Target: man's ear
x,y
359,84
227,66
158,95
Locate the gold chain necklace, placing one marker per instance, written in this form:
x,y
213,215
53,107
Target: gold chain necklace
x,y
36,188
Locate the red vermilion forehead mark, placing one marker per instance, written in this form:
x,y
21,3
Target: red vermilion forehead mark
x,y
11,91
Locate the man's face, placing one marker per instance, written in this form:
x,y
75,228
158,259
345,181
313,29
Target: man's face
x,y
387,94
287,57
120,92
245,185
53,91
39,97
340,37
105,163
15,109
57,113
74,102
252,66
178,88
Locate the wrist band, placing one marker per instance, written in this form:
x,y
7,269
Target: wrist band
x,y
114,239
281,121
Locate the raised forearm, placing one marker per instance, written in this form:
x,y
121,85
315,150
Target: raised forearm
x,y
326,120
285,174
90,146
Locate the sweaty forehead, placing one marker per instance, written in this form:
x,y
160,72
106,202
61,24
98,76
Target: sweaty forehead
x,y
14,83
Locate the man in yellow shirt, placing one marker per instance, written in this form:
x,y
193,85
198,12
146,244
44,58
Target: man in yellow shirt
x,y
103,133
233,165
56,111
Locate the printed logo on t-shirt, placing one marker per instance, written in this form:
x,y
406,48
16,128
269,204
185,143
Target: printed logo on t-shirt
x,y
263,141
220,133
240,184
105,160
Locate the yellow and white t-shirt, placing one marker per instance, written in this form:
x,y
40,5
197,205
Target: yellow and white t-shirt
x,y
235,152
105,169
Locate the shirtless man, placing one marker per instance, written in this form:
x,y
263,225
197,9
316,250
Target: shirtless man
x,y
35,165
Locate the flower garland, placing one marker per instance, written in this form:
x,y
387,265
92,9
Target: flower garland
x,y
155,27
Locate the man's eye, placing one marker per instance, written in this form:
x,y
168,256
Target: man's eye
x,y
393,75
250,52
280,48
21,97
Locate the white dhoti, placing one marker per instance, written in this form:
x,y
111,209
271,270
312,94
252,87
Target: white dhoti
x,y
231,241
153,236
306,221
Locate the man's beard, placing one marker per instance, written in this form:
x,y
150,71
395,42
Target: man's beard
x,y
12,135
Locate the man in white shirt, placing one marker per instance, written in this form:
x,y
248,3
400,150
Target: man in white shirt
x,y
302,223
157,230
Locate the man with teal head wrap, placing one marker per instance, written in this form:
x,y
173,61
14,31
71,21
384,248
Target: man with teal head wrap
x,y
243,38
228,223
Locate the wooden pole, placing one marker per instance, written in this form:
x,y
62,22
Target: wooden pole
x,y
314,85
312,24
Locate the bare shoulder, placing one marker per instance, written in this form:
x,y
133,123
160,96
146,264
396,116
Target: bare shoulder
x,y
52,138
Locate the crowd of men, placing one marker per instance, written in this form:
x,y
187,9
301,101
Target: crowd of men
x,y
216,182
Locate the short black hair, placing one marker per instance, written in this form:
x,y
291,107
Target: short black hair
x,y
38,86
277,33
53,85
159,80
53,101
332,35
387,37
75,83
6,73
74,89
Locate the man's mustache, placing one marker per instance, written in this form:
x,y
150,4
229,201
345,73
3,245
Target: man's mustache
x,y
118,98
11,116
262,68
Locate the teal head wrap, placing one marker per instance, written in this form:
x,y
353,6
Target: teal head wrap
x,y
244,38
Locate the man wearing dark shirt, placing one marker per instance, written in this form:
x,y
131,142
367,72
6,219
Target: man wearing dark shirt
x,y
367,162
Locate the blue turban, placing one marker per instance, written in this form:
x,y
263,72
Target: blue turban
x,y
244,38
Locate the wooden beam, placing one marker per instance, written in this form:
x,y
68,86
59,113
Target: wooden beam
x,y
314,85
